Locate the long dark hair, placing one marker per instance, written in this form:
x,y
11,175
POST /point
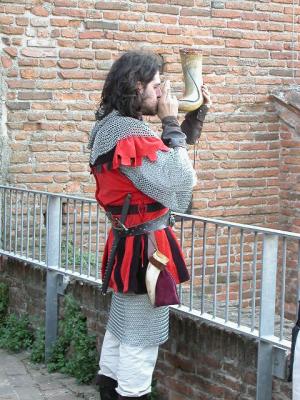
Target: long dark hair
x,y
119,91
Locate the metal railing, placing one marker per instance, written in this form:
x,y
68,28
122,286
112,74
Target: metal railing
x,y
243,277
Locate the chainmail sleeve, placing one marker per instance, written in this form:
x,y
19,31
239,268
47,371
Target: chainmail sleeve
x,y
168,180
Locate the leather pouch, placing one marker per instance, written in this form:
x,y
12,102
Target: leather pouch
x,y
160,284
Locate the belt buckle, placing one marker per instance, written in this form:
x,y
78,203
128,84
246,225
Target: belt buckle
x,y
116,223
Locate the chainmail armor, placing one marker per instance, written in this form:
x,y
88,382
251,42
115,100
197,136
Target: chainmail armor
x,y
169,180
112,128
134,321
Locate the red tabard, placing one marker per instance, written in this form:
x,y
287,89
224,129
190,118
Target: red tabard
x,y
128,274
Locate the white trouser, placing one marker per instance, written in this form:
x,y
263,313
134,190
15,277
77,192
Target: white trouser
x,y
131,366
296,370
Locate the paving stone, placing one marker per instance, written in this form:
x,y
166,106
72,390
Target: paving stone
x,y
22,380
5,390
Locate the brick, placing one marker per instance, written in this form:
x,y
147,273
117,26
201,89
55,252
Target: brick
x,y
12,73
65,43
70,12
11,30
20,84
70,96
40,11
6,62
6,20
101,25
133,17
12,51
219,13
237,43
64,22
150,28
187,3
254,54
68,64
168,19
65,3
194,11
177,40
227,33
268,26
77,54
36,23
112,5
18,105
219,4
29,73
75,74
22,21
34,178
281,72
37,42
174,31
39,53
14,9
103,55
163,9
47,63
52,167
69,33
242,25
35,95
92,35
112,15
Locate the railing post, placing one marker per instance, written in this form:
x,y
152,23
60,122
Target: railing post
x,y
52,256
267,318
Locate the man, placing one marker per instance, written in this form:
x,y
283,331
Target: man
x,y
139,178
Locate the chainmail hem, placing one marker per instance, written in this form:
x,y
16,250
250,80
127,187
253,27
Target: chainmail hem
x,y
134,321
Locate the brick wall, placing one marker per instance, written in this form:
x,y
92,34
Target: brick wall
x,y
287,105
199,361
55,56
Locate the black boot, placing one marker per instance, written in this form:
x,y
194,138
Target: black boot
x,y
144,397
107,387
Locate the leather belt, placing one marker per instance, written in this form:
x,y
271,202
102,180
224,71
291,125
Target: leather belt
x,y
154,225
136,208
120,230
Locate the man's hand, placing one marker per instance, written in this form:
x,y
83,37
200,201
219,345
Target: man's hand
x,y
167,103
206,96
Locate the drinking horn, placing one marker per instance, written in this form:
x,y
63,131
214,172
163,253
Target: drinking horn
x,y
191,61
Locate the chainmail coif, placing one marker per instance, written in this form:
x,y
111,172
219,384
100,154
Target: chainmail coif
x,y
112,128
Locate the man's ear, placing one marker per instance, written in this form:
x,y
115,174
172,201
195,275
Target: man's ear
x,y
139,87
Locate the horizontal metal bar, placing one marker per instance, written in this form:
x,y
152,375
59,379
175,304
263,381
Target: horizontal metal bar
x,y
233,326
252,228
61,195
68,272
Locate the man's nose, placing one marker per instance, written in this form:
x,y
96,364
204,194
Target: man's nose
x,y
158,92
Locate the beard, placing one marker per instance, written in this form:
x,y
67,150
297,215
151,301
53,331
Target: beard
x,y
148,107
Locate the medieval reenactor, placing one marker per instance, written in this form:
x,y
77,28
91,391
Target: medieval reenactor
x,y
140,177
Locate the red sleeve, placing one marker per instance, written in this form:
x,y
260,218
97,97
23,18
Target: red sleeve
x,y
131,150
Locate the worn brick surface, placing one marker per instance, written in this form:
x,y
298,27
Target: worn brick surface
x,y
288,108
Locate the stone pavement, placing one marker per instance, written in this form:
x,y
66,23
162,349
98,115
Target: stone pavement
x,y
22,380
